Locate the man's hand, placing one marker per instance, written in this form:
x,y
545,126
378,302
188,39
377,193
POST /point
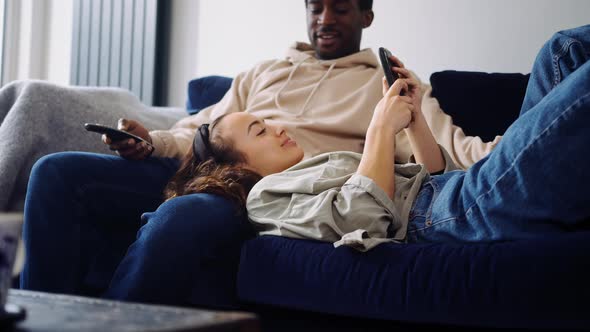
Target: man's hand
x,y
129,149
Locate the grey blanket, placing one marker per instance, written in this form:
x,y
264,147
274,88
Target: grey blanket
x,y
39,118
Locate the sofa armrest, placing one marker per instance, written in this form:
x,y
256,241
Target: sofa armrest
x,y
169,110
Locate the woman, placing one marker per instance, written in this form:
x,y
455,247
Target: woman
x,y
532,184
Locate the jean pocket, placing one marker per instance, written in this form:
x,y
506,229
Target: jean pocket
x,y
419,217
422,202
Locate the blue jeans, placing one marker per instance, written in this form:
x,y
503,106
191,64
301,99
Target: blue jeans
x,y
561,55
82,210
86,232
535,182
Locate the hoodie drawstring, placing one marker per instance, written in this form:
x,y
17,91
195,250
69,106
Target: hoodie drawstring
x,y
315,88
277,95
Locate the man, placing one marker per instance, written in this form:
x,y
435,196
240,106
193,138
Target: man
x,y
82,210
324,93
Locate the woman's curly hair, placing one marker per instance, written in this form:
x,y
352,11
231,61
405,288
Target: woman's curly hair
x,y
223,174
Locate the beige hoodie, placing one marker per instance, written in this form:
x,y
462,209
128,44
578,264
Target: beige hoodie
x,y
325,105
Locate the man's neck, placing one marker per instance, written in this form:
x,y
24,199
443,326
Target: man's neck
x,y
319,57
338,56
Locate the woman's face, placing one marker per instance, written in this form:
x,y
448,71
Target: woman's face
x,y
267,148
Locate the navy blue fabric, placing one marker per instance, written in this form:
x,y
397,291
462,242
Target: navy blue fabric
x,y
483,104
540,283
206,91
196,238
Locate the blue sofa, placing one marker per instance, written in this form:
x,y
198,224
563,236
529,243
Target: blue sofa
x,y
294,284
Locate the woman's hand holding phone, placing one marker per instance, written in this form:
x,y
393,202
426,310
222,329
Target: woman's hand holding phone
x,y
392,114
423,143
394,69
393,110
130,148
413,90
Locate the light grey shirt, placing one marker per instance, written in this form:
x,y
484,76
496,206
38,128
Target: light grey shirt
x,y
323,198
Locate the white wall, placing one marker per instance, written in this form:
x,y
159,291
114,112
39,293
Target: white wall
x,y
182,60
234,35
428,35
480,35
59,43
38,39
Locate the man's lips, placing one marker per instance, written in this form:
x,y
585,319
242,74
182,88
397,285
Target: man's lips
x,y
327,35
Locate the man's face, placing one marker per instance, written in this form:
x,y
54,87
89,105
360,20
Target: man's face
x,y
335,27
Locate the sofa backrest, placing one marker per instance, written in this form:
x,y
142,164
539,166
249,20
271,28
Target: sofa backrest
x,y
483,104
206,91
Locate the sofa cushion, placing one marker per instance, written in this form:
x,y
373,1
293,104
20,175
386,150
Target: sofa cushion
x,y
206,91
536,283
483,104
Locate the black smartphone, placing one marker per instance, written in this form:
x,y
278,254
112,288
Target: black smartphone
x,y
112,133
386,63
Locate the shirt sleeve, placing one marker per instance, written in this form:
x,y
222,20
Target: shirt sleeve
x,y
363,202
357,214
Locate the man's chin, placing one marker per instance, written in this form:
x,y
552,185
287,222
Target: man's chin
x,y
327,49
327,53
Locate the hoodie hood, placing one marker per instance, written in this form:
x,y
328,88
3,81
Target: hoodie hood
x,y
303,52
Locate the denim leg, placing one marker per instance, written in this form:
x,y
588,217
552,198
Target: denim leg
x,y
187,253
81,213
535,182
561,55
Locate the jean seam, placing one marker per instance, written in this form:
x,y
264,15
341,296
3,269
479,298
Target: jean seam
x,y
436,223
557,56
425,213
511,167
435,192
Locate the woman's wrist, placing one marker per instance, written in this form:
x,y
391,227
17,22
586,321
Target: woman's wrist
x,y
417,120
380,128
